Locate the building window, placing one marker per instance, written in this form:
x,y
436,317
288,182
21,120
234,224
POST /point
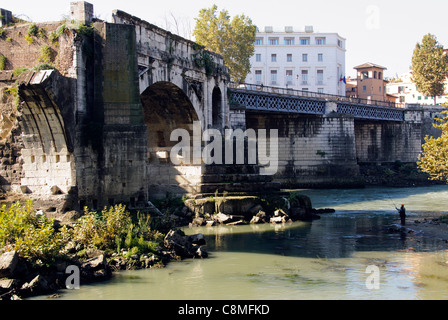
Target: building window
x,y
304,41
273,41
259,41
365,75
320,57
364,88
320,77
320,90
258,75
289,77
374,74
273,57
380,75
273,77
289,41
340,44
305,57
379,88
258,57
304,76
289,57
321,41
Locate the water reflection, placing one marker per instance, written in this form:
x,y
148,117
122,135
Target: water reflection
x,y
324,259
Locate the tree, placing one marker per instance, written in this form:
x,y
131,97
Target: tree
x,y
232,38
429,67
434,157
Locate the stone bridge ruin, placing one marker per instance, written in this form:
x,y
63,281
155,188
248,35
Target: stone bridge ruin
x,y
95,130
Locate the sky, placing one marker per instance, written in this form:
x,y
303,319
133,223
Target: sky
x,y
383,32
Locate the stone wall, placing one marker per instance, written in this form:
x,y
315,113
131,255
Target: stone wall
x,y
382,142
313,150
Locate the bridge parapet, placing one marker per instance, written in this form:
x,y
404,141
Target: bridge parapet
x,y
370,112
260,98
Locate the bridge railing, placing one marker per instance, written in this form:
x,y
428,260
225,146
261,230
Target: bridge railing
x,y
311,94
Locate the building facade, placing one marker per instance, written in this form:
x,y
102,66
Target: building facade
x,y
404,91
300,60
370,82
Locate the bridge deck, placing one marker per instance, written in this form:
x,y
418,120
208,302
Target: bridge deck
x,y
254,97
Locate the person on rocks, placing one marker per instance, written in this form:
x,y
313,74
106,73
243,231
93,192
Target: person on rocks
x,y
402,213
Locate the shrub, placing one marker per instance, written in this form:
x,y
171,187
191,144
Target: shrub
x,y
46,54
29,39
19,71
33,237
43,66
2,62
32,30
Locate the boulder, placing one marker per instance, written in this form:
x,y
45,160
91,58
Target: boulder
x,y
95,263
222,218
8,263
277,220
38,285
184,246
255,220
198,239
300,213
264,218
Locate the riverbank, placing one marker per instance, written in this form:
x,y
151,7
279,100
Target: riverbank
x,y
430,226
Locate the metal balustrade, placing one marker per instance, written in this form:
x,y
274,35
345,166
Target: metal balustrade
x,y
274,102
254,97
371,112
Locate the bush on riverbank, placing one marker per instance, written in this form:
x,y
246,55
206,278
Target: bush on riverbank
x,y
36,239
32,236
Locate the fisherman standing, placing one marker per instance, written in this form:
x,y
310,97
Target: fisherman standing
x,y
402,213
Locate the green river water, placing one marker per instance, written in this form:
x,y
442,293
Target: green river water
x,y
327,258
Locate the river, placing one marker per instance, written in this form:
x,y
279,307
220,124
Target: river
x,y
344,255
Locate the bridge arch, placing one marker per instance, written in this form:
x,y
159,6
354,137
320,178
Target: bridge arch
x,y
167,107
217,110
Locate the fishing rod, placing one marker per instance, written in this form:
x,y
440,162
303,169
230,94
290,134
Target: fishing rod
x,y
395,206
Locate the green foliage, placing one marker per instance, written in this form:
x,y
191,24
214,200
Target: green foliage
x,y
29,39
2,33
33,237
100,230
32,30
84,30
43,66
46,54
35,31
232,38
114,229
296,199
54,36
19,71
2,62
429,67
203,59
434,157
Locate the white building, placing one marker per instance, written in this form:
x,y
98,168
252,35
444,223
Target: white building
x,y
405,91
302,60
